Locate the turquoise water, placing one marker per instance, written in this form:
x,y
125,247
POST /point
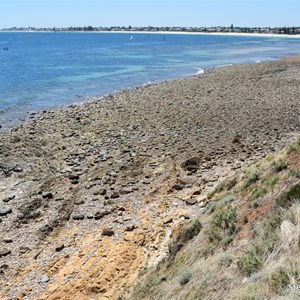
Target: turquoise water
x,y
47,70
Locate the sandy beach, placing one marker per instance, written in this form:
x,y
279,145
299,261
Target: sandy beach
x,y
267,35
90,193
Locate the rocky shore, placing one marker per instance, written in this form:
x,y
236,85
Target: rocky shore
x,y
89,194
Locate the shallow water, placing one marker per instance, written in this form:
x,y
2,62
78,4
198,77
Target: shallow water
x,y
47,70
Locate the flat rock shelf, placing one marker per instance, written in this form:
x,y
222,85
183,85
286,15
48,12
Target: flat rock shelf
x,y
90,193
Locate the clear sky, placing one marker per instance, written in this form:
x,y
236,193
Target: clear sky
x,y
64,13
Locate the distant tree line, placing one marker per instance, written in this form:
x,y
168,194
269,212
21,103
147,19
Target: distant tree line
x,y
231,28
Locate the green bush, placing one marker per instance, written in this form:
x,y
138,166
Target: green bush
x,y
223,224
225,185
279,281
250,262
225,260
185,278
279,165
294,147
259,193
191,230
186,233
288,198
272,181
251,179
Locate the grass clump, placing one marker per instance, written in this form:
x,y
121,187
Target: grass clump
x,y
279,281
225,260
250,262
271,181
185,234
185,278
223,225
279,165
191,230
259,193
265,241
251,178
143,290
289,197
294,147
225,185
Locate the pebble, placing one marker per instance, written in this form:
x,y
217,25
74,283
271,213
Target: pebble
x,y
47,195
130,228
114,195
79,202
7,199
18,169
191,201
4,252
59,247
100,214
107,232
44,279
101,192
7,241
78,217
5,210
74,177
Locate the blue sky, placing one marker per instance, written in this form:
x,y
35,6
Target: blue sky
x,y
63,13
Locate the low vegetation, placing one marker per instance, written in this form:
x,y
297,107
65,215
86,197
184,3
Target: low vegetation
x,y
223,226
249,245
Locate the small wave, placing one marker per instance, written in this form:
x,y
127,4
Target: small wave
x,y
200,71
225,65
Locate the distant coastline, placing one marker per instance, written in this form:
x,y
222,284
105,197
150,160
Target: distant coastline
x,y
270,35
211,33
220,30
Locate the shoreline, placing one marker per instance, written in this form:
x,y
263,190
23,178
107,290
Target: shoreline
x,y
8,124
26,116
212,33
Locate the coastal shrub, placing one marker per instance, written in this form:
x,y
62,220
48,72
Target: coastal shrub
x,y
288,198
214,234
188,232
225,260
265,242
294,148
279,281
224,185
145,289
228,239
142,272
271,181
251,178
265,235
191,230
272,222
250,262
185,278
259,193
279,165
223,224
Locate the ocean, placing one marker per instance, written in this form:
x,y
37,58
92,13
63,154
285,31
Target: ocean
x,y
49,70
